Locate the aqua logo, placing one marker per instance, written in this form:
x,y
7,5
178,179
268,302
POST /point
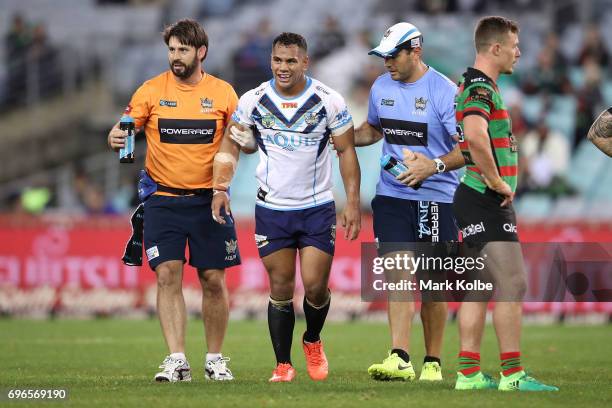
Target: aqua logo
x,y
290,142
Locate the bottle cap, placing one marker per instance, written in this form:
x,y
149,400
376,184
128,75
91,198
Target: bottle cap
x,y
385,159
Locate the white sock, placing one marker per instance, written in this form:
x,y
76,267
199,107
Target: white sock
x,y
178,356
213,356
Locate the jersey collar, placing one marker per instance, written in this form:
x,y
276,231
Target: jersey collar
x,y
472,73
308,83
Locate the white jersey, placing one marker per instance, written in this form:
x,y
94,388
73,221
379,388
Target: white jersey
x,y
295,166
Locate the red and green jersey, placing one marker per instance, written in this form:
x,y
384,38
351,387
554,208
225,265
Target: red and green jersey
x,y
478,95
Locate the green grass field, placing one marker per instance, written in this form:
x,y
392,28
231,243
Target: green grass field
x,y
110,363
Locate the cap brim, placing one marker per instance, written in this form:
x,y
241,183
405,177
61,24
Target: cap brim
x,y
383,54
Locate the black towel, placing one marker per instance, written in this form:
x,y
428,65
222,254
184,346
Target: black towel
x,y
133,248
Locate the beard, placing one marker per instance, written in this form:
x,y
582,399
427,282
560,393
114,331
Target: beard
x,y
183,71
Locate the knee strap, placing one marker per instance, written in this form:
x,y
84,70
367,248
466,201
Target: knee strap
x,y
281,303
319,306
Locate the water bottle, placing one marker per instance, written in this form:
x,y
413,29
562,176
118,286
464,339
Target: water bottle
x,y
395,167
126,154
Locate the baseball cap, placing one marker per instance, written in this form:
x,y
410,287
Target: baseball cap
x,y
397,35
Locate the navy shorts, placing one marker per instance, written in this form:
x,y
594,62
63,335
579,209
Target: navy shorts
x,y
314,226
171,223
398,220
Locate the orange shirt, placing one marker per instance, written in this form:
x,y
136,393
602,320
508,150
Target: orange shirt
x,y
184,125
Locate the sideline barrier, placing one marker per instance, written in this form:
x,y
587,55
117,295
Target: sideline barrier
x,y
72,267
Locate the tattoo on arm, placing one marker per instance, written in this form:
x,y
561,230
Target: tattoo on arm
x,y
602,127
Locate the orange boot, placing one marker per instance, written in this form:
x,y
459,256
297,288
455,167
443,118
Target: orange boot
x,y
283,372
316,361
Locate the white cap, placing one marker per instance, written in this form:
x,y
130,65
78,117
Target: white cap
x,y
396,35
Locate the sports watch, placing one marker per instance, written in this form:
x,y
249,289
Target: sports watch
x,y
440,166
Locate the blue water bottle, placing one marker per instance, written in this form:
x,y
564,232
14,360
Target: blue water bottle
x,y
395,167
126,154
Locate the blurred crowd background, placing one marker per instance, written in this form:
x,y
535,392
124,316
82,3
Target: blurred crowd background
x,y
67,69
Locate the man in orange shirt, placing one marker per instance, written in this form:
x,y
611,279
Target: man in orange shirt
x,y
184,112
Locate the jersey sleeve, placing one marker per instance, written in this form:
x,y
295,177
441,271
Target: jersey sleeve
x,y
339,119
139,107
232,103
373,118
244,109
479,101
446,110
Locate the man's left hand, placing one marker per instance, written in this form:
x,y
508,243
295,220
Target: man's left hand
x,y
419,166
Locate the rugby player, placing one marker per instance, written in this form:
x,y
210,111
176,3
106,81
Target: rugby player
x,y
184,112
483,208
290,120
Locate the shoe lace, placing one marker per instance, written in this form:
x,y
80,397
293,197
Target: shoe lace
x,y
532,380
314,353
526,377
220,364
170,364
163,364
390,357
282,369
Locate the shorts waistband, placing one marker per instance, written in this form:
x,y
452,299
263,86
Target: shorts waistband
x,y
487,193
184,191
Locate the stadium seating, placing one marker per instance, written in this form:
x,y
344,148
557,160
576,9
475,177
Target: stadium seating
x,y
562,116
533,206
606,90
568,209
125,40
602,190
532,108
586,169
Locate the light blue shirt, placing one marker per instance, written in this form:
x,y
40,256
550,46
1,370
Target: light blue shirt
x,y
419,116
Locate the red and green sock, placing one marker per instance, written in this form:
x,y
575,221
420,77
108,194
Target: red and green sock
x,y
469,363
510,362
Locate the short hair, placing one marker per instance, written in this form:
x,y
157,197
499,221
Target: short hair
x,y
492,29
188,32
288,39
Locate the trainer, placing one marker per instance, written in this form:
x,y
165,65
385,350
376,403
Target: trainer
x,y
184,112
411,108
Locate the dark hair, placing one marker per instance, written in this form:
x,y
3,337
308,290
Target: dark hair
x,y
288,39
493,29
407,45
188,32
